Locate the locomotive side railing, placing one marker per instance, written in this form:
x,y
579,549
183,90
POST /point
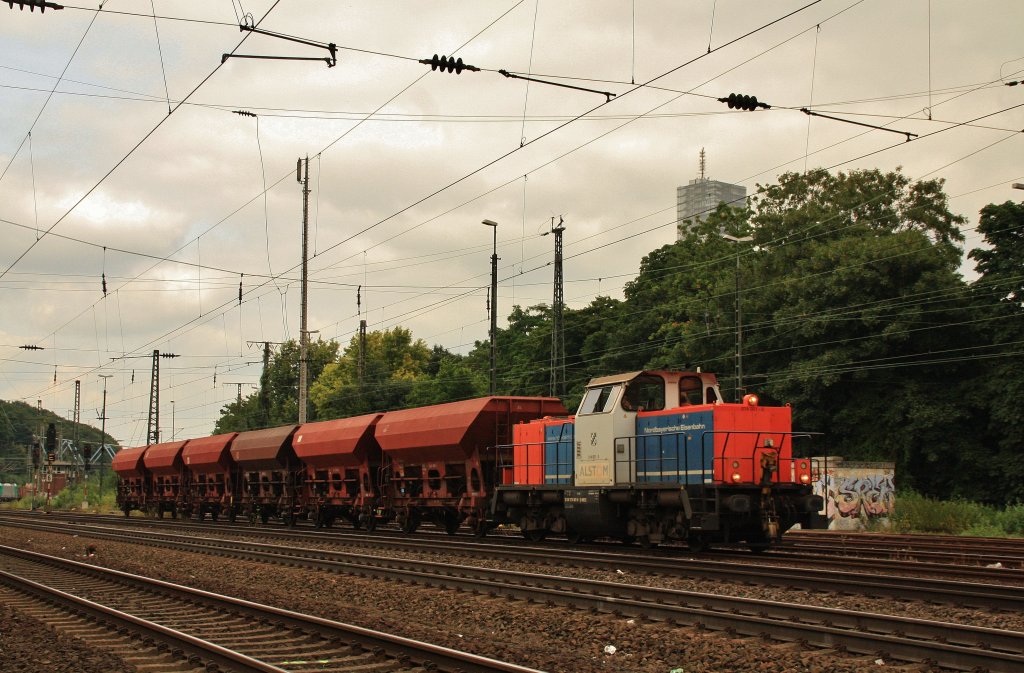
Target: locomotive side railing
x,y
673,457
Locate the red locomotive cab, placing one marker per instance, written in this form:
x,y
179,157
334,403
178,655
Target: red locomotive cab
x,y
753,443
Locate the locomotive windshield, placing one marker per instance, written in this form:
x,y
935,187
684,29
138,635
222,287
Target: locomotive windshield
x,y
644,393
600,400
690,390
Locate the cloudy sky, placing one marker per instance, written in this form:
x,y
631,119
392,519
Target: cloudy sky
x,y
98,179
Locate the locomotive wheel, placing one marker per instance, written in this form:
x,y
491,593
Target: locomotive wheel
x,y
574,538
535,534
645,542
697,543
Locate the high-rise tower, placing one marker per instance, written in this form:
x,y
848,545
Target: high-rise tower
x,y
695,200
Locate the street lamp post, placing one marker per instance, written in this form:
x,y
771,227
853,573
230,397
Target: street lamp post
x,y
739,315
494,309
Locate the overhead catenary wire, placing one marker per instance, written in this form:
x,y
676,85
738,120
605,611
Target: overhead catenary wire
x,y
120,161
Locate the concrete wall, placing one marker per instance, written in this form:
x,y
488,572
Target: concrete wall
x,y
857,494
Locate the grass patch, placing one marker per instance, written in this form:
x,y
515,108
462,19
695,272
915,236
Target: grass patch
x,y
915,513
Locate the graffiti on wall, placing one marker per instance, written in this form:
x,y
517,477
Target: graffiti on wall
x,y
855,497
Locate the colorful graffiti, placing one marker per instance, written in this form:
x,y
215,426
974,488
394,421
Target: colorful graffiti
x,y
857,497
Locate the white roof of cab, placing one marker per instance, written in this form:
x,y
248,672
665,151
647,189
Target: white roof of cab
x,y
616,378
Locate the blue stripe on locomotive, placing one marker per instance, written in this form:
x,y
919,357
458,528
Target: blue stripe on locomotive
x,y
558,464
669,448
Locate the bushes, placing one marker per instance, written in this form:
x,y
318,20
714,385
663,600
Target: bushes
x,y
71,498
914,513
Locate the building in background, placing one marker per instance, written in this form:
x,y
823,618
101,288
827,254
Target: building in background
x,y
695,200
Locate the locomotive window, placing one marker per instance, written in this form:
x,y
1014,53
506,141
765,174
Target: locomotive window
x,y
690,390
598,400
645,393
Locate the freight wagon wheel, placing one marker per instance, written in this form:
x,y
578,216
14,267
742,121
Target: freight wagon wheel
x,y
371,523
452,523
758,547
264,515
410,522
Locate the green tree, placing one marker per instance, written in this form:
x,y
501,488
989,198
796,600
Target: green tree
x,y
999,382
394,362
455,379
277,400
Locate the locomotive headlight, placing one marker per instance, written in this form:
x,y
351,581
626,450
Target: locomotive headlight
x,y
805,478
735,464
750,400
736,476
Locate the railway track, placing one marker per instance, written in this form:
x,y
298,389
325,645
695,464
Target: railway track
x,y
981,559
978,594
1005,553
892,638
177,628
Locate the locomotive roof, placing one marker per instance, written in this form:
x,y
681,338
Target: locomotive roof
x,y
629,376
